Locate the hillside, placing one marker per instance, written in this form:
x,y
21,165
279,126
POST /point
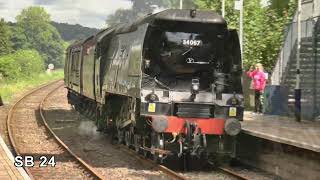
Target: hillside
x,y
70,32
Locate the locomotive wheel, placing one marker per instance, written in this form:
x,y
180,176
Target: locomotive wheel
x,y
120,137
155,144
136,142
145,152
127,138
75,107
114,138
154,155
98,120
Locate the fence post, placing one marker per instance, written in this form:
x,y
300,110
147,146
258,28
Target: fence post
x,y
1,102
297,92
315,51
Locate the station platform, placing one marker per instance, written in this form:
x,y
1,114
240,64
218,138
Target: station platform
x,y
7,168
304,134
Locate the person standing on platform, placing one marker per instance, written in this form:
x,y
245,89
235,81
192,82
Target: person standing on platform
x,y
259,83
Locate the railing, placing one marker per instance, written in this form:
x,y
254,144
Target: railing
x,y
288,49
317,70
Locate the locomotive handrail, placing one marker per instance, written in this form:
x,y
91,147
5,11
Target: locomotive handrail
x,y
160,83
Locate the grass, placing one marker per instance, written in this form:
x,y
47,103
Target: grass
x,y
9,88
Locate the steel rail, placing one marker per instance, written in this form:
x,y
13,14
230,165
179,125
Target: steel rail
x,y
93,172
12,141
9,117
232,173
164,169
142,159
80,161
170,172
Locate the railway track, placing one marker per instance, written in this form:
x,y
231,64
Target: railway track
x,y
174,174
171,174
233,173
30,136
149,163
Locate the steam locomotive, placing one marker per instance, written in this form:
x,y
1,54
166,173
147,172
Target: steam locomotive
x,y
166,85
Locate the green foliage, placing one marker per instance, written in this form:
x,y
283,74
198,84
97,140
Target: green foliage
x,y
280,6
5,43
141,8
263,27
71,32
175,4
121,16
22,63
19,39
34,31
10,88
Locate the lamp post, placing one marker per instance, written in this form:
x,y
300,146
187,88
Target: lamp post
x,y
241,25
238,5
297,91
223,5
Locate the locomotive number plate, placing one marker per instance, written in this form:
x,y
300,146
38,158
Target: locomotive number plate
x,y
152,107
233,111
190,42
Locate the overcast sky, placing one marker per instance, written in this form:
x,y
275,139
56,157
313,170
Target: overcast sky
x,y
90,13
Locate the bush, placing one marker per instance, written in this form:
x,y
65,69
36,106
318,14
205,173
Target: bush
x,y
22,63
34,31
10,88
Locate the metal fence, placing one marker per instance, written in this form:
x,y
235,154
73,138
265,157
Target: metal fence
x,y
288,48
285,70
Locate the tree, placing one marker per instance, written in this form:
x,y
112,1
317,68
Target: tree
x,y
121,16
279,6
263,27
70,32
22,63
187,4
5,43
34,31
141,8
1,102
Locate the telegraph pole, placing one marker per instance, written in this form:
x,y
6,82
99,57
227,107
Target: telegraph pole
x,y
297,92
238,5
241,25
223,7
181,3
241,30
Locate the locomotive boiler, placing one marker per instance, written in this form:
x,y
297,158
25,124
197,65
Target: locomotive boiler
x,y
166,85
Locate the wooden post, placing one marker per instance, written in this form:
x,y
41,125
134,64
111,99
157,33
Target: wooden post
x,y
1,102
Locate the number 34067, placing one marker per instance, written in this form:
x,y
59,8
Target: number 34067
x,y
189,42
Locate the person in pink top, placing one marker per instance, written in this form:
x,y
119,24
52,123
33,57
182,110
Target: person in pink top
x,y
259,83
